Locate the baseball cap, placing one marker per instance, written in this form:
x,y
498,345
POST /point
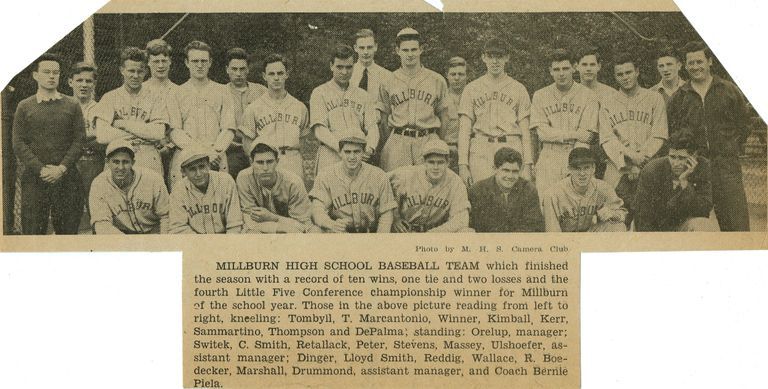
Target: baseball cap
x,y
495,46
352,139
191,154
457,61
120,145
580,155
407,31
269,145
435,146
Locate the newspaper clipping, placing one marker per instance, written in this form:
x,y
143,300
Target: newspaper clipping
x,y
492,145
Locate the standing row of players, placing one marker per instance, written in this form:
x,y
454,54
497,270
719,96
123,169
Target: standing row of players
x,y
395,115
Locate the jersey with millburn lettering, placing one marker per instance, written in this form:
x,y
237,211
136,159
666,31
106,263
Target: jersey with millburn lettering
x,y
496,108
424,205
144,106
556,115
359,200
414,101
216,211
137,210
280,123
631,122
568,211
349,111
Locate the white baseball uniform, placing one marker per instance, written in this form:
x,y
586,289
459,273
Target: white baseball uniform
x,y
217,211
138,210
287,199
281,123
207,120
423,205
556,115
495,109
342,111
145,107
412,105
565,210
359,200
631,123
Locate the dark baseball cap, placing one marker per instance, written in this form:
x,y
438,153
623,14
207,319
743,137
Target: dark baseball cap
x,y
495,46
579,156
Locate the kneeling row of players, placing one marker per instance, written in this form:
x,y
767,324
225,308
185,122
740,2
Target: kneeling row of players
x,y
673,194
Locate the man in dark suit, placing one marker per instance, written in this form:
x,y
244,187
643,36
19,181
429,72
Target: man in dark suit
x,y
675,192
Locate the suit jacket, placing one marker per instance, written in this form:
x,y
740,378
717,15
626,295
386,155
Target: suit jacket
x,y
661,207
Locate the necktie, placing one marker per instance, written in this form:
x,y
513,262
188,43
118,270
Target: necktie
x,y
364,81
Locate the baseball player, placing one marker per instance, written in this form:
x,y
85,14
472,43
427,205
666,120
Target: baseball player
x,y
581,202
127,200
352,196
505,202
495,112
133,113
588,66
633,127
368,76
456,74
430,197
82,80
277,117
337,107
207,115
668,64
243,93
414,103
158,83
564,115
204,201
273,200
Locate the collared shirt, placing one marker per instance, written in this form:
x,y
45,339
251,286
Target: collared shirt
x,y
719,121
241,98
376,76
40,97
667,93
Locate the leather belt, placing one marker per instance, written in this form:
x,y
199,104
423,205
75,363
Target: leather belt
x,y
492,139
414,132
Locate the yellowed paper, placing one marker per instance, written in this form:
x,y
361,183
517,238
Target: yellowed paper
x,y
484,302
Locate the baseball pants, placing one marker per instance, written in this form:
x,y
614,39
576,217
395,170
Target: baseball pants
x,y
62,200
482,151
728,196
552,165
291,161
325,157
402,150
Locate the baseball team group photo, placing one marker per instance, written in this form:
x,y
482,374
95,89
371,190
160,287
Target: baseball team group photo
x,y
379,123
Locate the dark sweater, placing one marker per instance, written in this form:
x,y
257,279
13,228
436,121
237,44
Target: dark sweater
x,y
491,212
48,133
660,207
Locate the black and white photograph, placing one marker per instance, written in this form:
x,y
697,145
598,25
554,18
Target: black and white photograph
x,y
380,122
